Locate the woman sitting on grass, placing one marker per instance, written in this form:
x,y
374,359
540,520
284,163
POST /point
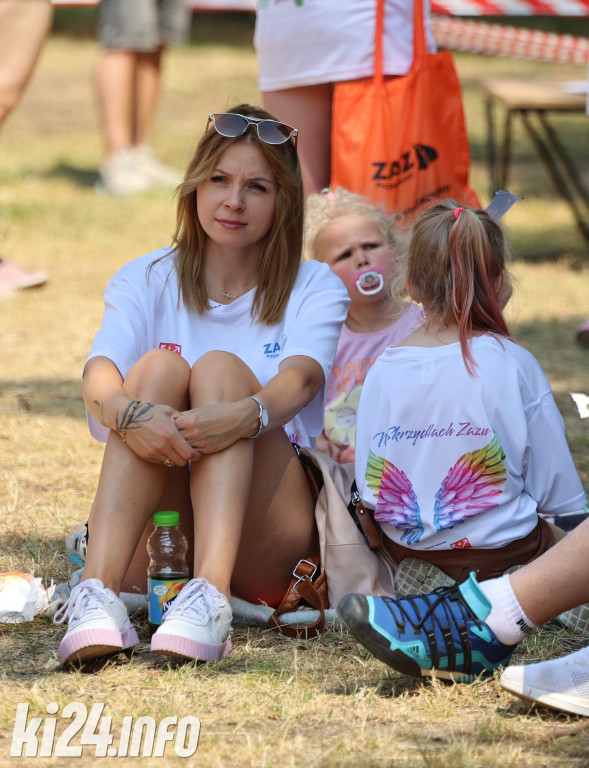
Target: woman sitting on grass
x,y
224,337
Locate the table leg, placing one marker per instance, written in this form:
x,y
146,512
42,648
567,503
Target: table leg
x,y
555,173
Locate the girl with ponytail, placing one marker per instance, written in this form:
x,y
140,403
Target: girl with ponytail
x,y
460,445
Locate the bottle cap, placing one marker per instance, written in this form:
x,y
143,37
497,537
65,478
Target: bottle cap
x,y
166,518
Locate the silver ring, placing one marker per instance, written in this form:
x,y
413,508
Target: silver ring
x,y
168,463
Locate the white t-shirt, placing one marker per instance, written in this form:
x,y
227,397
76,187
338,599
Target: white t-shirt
x,y
449,460
327,41
142,312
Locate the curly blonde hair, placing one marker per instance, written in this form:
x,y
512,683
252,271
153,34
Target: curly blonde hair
x,y
323,208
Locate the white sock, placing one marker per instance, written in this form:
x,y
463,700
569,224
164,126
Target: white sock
x,y
507,619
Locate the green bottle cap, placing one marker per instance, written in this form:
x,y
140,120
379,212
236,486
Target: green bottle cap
x,y
166,518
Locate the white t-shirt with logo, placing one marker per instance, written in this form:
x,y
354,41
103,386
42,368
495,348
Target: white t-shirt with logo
x,y
449,460
142,312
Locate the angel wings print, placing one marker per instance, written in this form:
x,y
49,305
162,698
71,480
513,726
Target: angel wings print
x,y
470,487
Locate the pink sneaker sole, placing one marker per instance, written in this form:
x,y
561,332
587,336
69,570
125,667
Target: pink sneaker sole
x,y
93,643
174,645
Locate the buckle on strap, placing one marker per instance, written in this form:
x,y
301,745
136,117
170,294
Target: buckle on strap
x,y
301,577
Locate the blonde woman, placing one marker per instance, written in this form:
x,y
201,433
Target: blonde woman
x,y
212,353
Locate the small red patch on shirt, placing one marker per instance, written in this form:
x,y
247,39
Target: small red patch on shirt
x,y
461,544
172,347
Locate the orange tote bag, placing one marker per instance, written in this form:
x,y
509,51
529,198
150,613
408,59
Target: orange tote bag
x,y
402,142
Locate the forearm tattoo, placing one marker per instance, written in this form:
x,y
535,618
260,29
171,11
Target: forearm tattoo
x,y
135,414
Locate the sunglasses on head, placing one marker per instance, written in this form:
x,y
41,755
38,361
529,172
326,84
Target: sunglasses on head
x,y
231,125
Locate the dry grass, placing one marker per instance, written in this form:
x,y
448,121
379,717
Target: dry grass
x,y
273,701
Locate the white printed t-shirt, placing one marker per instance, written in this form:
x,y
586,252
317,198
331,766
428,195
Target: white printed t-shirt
x,y
327,41
448,460
142,312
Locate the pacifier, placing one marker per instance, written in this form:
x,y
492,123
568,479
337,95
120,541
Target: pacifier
x,y
370,282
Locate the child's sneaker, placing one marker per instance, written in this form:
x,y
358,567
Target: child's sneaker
x,y
559,683
76,544
197,625
441,634
414,576
98,623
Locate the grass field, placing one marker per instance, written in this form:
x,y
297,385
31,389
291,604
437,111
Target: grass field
x,y
273,701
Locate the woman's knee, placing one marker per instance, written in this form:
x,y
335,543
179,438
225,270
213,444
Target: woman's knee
x,y
220,376
158,370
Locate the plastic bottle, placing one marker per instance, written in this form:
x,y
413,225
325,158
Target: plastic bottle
x,y
167,572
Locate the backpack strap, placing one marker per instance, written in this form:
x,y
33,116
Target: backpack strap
x,y
364,519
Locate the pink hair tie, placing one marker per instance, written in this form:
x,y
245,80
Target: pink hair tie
x,y
330,197
457,212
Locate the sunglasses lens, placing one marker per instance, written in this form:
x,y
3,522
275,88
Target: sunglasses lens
x,y
230,125
273,132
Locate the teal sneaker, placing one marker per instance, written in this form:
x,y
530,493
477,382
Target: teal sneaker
x,y
441,634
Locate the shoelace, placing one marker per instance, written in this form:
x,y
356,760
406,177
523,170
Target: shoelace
x,y
196,600
84,598
440,597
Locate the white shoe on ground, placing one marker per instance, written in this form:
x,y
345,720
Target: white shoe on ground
x,y
561,684
197,625
98,623
156,171
122,176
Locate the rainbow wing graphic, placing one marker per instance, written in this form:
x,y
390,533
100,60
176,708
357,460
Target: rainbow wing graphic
x,y
397,503
470,486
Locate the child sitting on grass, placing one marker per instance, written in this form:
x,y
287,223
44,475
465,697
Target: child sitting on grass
x,y
460,444
361,244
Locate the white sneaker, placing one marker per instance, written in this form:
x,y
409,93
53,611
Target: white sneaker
x,y
122,176
197,625
98,623
559,683
158,173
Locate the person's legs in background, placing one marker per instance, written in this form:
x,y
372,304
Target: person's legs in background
x,y
23,29
133,35
308,109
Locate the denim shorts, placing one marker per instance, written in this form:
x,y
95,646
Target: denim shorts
x,y
143,25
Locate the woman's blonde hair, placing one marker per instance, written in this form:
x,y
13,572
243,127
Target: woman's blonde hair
x,y
456,267
282,248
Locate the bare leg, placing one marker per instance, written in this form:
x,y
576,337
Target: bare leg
x,y
254,515
23,29
556,581
147,86
115,79
130,489
309,110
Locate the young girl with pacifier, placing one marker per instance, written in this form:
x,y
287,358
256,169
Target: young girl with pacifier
x,y
362,246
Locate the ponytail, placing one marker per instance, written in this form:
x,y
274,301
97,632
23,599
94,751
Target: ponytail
x,y
457,267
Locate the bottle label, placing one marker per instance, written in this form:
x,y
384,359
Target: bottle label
x,y
161,593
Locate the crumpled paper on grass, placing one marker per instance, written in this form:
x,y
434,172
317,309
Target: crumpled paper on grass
x,y
22,597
